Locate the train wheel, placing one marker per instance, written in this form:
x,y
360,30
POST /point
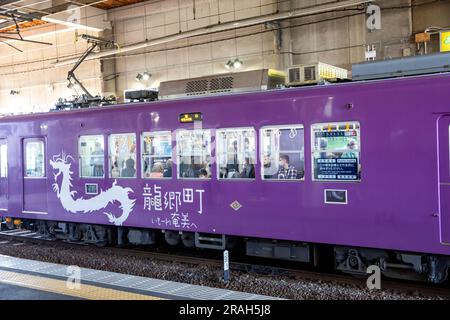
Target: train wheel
x,y
188,239
172,237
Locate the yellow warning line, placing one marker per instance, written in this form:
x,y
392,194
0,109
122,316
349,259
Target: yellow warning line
x,y
84,291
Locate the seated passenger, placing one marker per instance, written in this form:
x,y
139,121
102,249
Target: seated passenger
x,y
157,170
146,165
168,169
207,164
223,173
267,164
248,170
203,174
129,171
286,171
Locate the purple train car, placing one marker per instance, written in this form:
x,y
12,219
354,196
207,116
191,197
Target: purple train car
x,y
358,169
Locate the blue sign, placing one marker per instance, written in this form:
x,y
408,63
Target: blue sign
x,y
336,169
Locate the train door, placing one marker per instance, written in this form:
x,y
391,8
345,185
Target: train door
x,y
34,176
444,177
3,176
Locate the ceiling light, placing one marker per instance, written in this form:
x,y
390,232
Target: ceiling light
x,y
145,76
139,77
235,63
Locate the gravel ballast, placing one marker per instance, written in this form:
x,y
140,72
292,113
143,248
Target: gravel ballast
x,y
277,286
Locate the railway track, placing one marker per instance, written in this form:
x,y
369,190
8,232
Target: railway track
x,y
406,287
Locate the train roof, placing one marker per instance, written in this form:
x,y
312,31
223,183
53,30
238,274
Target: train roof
x,y
290,91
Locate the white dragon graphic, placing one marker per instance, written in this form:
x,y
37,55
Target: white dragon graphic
x,y
61,163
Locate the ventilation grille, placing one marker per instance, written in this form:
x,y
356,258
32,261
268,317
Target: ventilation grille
x,y
205,86
221,84
310,73
294,75
196,86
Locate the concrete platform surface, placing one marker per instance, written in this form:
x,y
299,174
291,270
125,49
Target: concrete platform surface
x,y
30,279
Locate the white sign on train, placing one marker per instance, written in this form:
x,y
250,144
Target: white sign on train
x,y
159,201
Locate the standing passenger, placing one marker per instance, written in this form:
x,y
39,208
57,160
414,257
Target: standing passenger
x,y
232,163
97,160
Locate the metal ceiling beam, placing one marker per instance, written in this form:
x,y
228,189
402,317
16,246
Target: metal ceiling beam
x,y
21,16
6,2
65,6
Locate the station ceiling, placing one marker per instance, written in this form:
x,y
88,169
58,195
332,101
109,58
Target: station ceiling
x,y
28,13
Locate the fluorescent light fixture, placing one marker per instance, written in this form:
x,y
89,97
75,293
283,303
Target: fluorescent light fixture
x,y
85,17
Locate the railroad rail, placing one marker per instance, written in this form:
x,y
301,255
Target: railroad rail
x,y
406,287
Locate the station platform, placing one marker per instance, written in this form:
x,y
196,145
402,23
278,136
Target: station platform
x,y
35,280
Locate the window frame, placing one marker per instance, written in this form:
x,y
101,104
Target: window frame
x,y
218,131
105,151
335,123
177,154
261,154
141,144
24,143
109,153
4,142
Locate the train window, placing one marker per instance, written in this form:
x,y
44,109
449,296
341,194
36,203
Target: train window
x,y
156,148
3,159
236,153
336,151
91,151
194,154
122,155
34,158
283,153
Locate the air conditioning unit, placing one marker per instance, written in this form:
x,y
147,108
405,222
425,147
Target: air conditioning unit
x,y
246,81
306,74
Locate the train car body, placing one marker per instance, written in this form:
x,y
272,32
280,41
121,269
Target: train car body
x,y
400,203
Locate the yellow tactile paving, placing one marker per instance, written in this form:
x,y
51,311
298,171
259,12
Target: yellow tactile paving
x,y
85,291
